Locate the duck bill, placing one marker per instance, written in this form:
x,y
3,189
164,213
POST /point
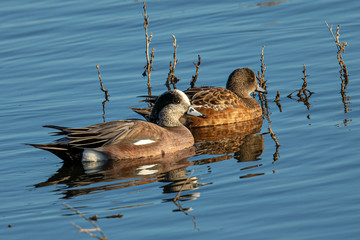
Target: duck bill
x,y
260,89
193,112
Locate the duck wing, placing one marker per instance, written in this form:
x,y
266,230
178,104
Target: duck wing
x,y
95,135
211,96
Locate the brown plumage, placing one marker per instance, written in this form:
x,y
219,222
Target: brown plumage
x,y
222,105
129,139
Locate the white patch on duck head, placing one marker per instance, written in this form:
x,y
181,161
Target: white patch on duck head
x,y
144,142
183,95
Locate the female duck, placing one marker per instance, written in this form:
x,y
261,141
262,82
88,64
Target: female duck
x,y
223,105
129,139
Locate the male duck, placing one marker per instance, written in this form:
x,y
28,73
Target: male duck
x,y
223,105
129,139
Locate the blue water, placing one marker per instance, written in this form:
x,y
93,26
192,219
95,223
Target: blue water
x,y
305,189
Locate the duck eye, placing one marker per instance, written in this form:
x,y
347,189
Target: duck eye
x,y
177,101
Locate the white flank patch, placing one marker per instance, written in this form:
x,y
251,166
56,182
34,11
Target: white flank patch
x,y
144,142
93,161
183,95
92,156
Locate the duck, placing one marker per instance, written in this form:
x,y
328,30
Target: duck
x,y
222,105
131,138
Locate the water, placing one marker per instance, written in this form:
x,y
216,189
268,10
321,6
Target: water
x,y
305,189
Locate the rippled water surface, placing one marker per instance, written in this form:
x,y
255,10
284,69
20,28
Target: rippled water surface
x,y
242,184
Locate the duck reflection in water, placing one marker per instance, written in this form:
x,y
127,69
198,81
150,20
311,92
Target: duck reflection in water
x,y
120,174
240,141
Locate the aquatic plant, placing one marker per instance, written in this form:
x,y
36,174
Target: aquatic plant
x,y
149,59
171,75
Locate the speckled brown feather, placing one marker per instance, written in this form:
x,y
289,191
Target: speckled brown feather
x,y
221,106
212,97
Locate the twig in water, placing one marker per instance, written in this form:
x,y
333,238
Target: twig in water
x,y
177,197
194,78
171,76
344,98
303,92
87,231
262,83
264,102
102,86
187,214
261,76
104,90
344,74
149,59
277,100
276,155
186,181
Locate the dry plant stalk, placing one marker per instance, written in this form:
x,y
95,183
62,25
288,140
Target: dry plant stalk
x,y
261,76
171,76
149,59
90,230
344,74
303,92
273,136
101,85
194,78
105,91
344,98
276,155
264,102
262,83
